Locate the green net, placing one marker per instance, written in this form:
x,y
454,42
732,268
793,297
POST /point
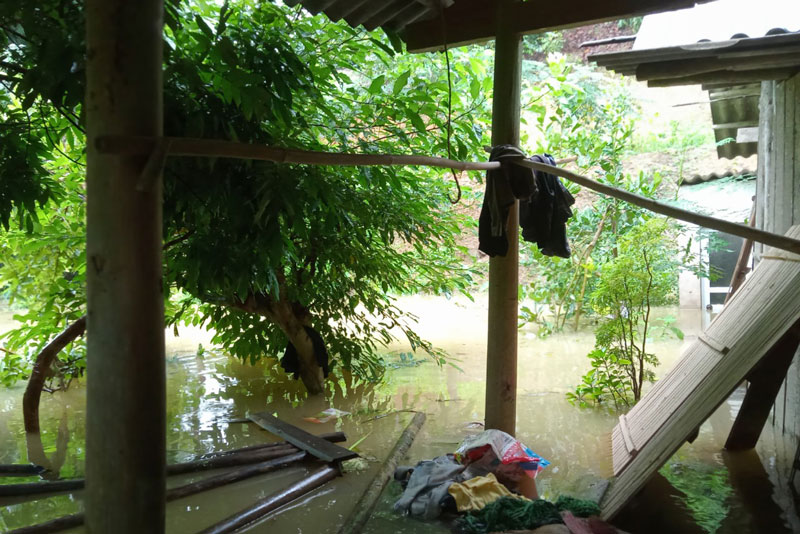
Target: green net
x,y
509,513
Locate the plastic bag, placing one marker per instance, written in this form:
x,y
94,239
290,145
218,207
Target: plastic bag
x,y
326,415
497,452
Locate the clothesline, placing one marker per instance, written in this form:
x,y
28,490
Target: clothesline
x,y
180,146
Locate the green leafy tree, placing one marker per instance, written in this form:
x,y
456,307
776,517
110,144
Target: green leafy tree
x,y
642,276
258,251
577,112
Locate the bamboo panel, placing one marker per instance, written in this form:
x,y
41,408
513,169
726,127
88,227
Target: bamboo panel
x,y
766,305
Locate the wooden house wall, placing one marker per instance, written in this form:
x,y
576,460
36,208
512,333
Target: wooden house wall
x,y
778,208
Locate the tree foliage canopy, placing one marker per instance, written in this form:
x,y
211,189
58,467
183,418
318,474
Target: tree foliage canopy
x,y
254,249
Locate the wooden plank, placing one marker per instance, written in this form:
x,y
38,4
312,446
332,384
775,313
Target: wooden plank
x,y
713,343
795,155
324,450
757,316
727,77
765,383
626,435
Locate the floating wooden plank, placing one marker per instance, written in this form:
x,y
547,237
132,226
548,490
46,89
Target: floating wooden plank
x,y
301,439
759,315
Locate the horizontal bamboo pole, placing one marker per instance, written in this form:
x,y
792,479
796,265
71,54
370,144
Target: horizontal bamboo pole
x,y
210,148
214,148
219,460
75,520
274,501
768,238
20,470
180,146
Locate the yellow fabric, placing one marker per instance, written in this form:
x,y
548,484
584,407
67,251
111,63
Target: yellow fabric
x,y
476,493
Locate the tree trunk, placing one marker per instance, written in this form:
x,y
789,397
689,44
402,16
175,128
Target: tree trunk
x,y
310,372
33,392
284,316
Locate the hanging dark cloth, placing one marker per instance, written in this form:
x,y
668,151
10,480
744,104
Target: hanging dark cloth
x,y
543,218
544,205
503,186
291,363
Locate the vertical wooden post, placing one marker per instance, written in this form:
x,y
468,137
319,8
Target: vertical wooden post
x,y
126,415
765,383
501,352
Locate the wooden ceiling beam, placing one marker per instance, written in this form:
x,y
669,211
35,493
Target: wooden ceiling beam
x,y
473,21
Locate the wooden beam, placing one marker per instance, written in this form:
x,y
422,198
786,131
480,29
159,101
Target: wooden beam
x,y
126,375
501,349
320,448
741,269
727,77
765,382
730,62
474,21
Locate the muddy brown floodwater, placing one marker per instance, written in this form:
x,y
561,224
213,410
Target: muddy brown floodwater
x,y
207,390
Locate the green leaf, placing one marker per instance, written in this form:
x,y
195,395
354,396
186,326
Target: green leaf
x,y
400,82
377,85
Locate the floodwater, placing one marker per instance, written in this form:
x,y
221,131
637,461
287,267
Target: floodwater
x,y
701,490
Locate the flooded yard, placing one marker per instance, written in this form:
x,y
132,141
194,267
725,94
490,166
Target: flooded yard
x,y
208,392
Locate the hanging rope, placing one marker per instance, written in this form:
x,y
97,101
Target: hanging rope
x,y
449,102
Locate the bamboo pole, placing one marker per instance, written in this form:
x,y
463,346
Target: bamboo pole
x,y
126,372
181,146
129,145
76,520
217,148
362,511
274,501
740,271
333,437
35,488
20,470
768,238
501,343
231,460
219,460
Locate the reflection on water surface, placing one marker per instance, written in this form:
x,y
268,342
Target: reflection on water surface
x,y
700,490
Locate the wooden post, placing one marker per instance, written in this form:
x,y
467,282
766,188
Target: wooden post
x,y
765,383
126,408
501,350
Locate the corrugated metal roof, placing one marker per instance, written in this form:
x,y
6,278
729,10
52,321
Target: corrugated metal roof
x,y
390,14
694,46
718,21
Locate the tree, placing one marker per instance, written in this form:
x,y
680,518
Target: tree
x,y
259,251
642,276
